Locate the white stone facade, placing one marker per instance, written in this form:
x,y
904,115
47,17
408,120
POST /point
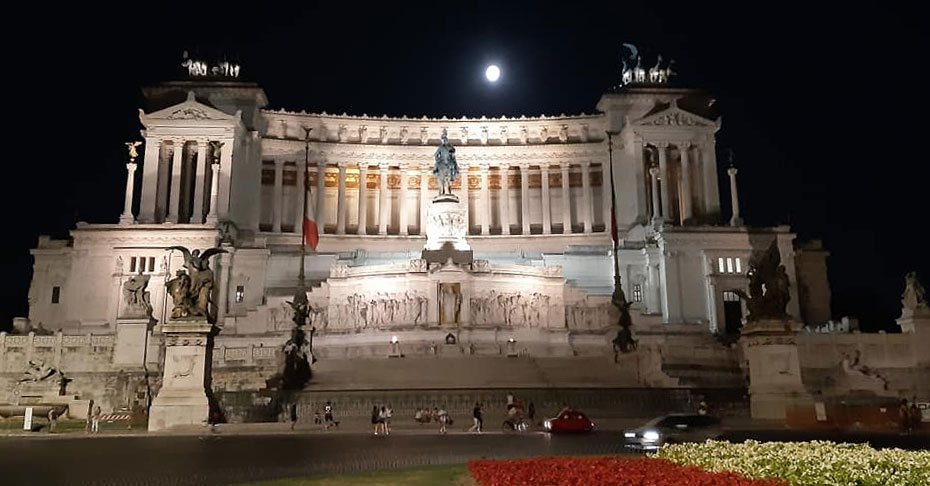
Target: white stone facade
x,y
221,170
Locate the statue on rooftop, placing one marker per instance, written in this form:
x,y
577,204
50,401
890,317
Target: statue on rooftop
x,y
446,169
914,296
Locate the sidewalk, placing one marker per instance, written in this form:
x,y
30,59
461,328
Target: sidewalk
x,y
353,425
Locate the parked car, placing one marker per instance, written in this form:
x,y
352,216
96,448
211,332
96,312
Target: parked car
x,y
569,421
673,428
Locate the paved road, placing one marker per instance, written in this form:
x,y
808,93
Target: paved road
x,y
229,459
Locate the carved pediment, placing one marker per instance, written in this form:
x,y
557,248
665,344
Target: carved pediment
x,y
674,116
190,109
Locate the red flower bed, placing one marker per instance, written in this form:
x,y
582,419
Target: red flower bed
x,y
601,471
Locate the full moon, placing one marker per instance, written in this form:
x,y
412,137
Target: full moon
x,y
492,73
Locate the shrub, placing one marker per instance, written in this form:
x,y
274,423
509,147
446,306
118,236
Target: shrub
x,y
817,463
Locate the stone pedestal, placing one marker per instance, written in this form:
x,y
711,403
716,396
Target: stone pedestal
x,y
182,399
129,350
917,323
446,222
446,228
775,384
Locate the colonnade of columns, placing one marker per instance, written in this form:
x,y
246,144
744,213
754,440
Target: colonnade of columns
x,y
175,179
662,184
480,222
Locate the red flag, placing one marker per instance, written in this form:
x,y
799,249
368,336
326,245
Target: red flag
x,y
311,232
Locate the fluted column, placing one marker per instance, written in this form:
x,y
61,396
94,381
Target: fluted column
x,y
525,198
485,202
383,213
424,195
320,196
363,199
465,198
276,195
212,217
505,199
736,220
606,194
656,216
663,175
566,199
174,206
126,217
200,179
225,186
149,180
402,201
684,149
544,199
586,195
341,201
299,197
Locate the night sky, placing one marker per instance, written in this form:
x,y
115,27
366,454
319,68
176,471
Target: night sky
x,y
823,107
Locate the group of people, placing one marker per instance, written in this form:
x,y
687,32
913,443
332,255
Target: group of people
x,y
909,417
381,419
438,415
518,414
324,420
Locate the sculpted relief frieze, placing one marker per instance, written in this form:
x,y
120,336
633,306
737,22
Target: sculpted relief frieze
x,y
382,309
510,308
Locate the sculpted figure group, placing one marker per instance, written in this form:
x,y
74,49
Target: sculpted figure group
x,y
191,289
768,286
381,309
581,316
511,309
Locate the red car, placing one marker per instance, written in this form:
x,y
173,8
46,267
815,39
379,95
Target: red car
x,y
569,421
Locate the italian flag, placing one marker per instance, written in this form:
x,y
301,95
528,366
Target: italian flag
x,y
311,231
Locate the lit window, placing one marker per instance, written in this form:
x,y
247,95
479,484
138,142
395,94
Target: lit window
x,y
240,293
729,296
56,294
739,268
637,293
720,267
729,265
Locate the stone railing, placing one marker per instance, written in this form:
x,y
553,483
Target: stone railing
x,y
71,353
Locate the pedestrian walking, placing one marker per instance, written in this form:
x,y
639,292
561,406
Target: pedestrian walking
x,y
95,420
374,419
904,418
476,415
388,413
382,420
52,420
293,413
214,420
914,416
443,420
328,416
531,413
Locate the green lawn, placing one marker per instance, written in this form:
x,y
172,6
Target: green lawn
x,y
455,475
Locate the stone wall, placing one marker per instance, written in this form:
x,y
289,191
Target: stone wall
x,y
598,403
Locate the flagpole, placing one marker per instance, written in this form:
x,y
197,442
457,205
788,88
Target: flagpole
x,y
303,225
613,209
